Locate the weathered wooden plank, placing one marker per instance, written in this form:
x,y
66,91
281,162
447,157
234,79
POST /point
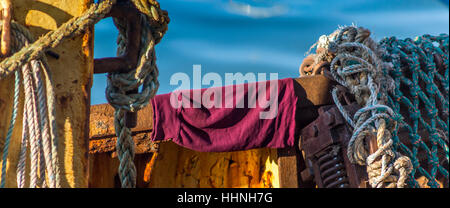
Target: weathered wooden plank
x,y
288,167
72,75
313,91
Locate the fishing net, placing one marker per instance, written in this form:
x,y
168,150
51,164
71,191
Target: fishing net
x,y
402,87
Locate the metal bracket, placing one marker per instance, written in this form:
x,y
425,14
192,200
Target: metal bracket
x,y
129,60
307,68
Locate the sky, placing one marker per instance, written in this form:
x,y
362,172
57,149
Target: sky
x,y
265,36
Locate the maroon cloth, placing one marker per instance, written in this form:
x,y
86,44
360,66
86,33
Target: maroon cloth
x,y
227,129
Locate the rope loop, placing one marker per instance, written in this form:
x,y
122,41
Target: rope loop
x,y
123,89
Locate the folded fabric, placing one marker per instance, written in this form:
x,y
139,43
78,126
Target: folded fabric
x,y
230,118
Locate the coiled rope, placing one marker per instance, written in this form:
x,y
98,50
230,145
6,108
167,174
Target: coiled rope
x,y
39,123
354,57
373,73
28,60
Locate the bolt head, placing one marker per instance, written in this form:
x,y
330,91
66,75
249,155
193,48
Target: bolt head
x,y
329,118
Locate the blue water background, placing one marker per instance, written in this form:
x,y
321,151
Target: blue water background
x,y
265,36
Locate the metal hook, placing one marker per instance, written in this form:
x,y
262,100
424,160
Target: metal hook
x,y
6,16
128,61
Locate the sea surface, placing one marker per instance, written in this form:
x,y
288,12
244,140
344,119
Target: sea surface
x,y
265,36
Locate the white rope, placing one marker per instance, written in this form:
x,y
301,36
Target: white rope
x,y
39,123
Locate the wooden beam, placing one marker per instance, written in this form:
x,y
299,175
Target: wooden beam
x,y
313,91
288,167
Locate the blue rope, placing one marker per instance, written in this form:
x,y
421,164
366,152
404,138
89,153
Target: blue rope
x,y
11,127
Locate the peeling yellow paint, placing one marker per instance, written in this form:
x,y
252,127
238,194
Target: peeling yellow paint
x,y
36,18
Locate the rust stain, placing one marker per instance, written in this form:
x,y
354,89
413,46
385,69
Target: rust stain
x,y
149,167
108,144
65,100
104,113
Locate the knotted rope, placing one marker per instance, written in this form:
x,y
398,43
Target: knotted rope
x,y
119,85
29,58
359,69
373,73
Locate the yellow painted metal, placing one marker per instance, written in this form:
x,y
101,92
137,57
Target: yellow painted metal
x,y
178,167
72,75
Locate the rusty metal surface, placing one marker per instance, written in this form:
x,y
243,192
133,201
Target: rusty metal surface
x,y
307,68
102,135
102,121
324,142
128,61
141,140
319,134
